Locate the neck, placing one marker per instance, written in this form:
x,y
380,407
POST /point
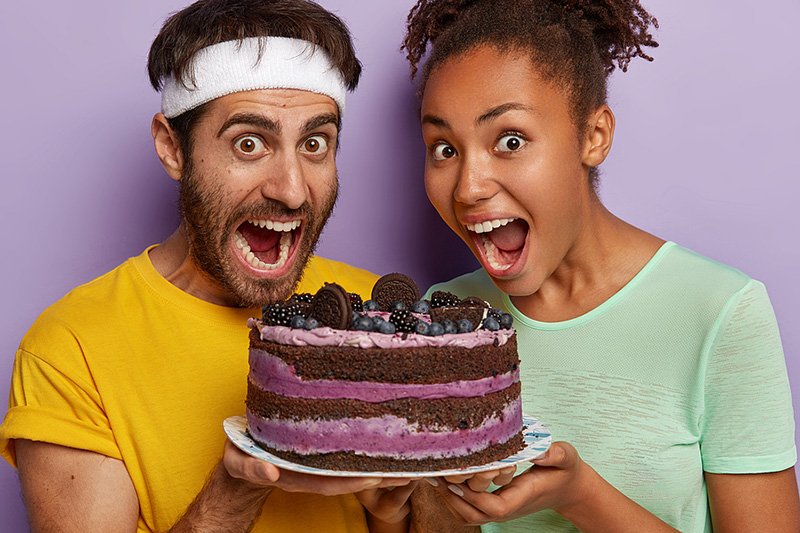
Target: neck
x,y
605,256
172,259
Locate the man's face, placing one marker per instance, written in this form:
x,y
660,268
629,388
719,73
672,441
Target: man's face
x,y
258,188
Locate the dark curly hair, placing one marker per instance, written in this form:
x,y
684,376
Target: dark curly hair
x,y
574,43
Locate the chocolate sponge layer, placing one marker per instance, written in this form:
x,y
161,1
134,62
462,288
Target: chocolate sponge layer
x,y
425,365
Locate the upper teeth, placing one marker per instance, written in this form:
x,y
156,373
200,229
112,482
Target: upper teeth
x,y
488,225
276,225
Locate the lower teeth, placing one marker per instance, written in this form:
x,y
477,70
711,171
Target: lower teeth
x,y
491,254
250,257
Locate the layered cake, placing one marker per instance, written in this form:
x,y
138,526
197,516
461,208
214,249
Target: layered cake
x,y
391,383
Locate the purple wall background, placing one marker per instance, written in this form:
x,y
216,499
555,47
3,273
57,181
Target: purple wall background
x,y
704,154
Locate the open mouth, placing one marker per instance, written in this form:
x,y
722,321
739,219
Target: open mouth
x,y
266,244
501,241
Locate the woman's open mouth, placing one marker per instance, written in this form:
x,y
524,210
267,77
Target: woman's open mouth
x,y
267,245
500,243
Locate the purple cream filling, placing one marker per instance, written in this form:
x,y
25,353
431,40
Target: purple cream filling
x,y
273,375
388,436
325,336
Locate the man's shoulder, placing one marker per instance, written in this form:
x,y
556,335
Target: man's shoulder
x,y
320,270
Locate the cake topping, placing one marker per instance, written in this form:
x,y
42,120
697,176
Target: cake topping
x,y
393,288
332,307
395,307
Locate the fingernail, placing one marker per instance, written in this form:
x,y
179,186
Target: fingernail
x,y
432,481
456,490
374,482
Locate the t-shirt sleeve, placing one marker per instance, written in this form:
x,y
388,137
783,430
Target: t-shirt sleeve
x,y
748,421
53,397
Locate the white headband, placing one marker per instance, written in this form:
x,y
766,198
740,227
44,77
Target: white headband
x,y
254,63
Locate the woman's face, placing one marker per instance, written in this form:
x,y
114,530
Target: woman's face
x,y
504,165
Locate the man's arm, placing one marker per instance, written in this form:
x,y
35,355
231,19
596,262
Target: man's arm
x,y
67,489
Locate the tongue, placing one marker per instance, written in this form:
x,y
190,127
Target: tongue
x,y
259,239
509,237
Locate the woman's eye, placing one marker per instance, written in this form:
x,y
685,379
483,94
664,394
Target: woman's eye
x,y
315,145
443,151
249,144
510,143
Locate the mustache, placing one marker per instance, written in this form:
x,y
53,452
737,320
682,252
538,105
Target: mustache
x,y
272,209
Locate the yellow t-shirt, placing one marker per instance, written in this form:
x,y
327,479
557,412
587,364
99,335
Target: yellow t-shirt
x,y
131,367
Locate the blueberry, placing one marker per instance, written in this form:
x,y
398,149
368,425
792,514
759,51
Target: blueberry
x,y
398,305
370,305
464,325
448,326
491,324
377,319
386,327
436,329
421,306
422,327
297,321
363,323
506,321
311,323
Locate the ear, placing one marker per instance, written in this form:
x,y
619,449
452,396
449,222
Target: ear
x,y
167,146
599,136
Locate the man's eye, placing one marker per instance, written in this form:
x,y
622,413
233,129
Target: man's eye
x,y
315,145
249,144
443,151
510,143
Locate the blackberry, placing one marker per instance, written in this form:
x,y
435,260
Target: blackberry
x,y
303,297
495,313
281,315
444,299
356,302
403,320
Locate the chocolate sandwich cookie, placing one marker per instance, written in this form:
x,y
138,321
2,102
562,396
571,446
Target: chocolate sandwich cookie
x,y
393,288
331,307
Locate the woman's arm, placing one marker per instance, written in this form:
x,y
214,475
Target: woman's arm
x,y
754,502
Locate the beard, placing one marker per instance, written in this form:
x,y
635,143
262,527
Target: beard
x,y
210,230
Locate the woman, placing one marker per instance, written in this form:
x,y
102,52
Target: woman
x,y
649,363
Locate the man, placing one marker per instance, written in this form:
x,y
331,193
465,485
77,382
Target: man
x,y
120,389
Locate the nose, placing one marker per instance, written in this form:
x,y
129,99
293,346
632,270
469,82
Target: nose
x,y
475,180
287,181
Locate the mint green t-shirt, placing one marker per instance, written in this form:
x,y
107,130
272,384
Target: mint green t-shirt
x,y
680,372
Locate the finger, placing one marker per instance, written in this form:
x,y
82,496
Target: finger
x,y
481,481
243,466
557,455
326,485
455,498
461,478
505,476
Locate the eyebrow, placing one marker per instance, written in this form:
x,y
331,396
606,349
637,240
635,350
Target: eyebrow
x,y
252,120
503,108
485,117
321,120
273,126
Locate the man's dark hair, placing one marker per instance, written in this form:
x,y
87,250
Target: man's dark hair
x,y
209,22
575,44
